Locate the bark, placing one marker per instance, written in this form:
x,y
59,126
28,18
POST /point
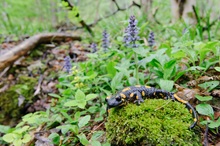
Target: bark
x,y
15,53
183,9
147,8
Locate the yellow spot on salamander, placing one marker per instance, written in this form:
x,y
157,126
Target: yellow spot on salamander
x,y
137,97
161,95
143,93
122,95
195,120
126,89
108,97
131,95
138,86
147,86
154,93
179,99
190,110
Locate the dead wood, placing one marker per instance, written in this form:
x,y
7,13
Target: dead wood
x,y
15,53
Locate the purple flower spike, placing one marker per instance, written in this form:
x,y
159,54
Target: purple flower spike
x,y
151,39
131,33
67,64
105,40
93,46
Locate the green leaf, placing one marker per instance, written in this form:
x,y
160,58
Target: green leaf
x,y
55,138
91,96
205,109
203,98
83,121
217,69
166,84
116,81
81,104
54,95
209,85
95,143
214,124
26,138
97,134
82,139
4,129
79,95
155,63
71,103
9,137
111,69
21,130
141,51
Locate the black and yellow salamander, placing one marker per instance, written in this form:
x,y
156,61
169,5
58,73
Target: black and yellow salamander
x,y
138,93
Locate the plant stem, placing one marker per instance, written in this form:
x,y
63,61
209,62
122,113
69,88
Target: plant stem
x,y
136,64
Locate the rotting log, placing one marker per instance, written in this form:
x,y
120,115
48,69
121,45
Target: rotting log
x,y
18,51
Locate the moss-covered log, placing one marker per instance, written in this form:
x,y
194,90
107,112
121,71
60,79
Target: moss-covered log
x,y
154,122
10,110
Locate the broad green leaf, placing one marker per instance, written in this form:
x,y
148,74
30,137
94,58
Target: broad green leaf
x,y
205,109
82,139
79,95
17,142
95,143
116,81
166,84
9,137
83,121
81,104
111,69
64,128
21,130
217,69
71,103
93,109
91,96
55,138
141,51
203,98
26,138
4,129
209,85
214,124
77,115
97,134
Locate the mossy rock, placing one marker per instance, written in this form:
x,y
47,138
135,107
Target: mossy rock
x,y
10,111
154,122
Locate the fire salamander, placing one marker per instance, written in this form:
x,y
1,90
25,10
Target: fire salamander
x,y
138,93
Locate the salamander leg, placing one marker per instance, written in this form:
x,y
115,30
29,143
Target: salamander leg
x,y
138,98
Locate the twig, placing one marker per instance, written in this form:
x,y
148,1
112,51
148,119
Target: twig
x,y
162,106
82,22
205,142
39,85
113,13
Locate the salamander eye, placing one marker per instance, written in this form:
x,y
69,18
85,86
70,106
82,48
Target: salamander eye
x,y
118,98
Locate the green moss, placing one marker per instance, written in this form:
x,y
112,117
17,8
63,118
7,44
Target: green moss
x,y
10,110
154,122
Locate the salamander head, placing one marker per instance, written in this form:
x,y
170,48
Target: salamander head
x,y
114,101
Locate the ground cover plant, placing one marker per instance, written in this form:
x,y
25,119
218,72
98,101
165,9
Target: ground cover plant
x,y
67,105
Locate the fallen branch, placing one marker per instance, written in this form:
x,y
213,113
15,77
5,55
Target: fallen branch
x,y
113,13
15,53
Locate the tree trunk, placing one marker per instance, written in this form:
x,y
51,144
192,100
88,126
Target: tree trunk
x,y
182,9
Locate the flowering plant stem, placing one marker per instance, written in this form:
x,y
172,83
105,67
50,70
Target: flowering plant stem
x,y
136,68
